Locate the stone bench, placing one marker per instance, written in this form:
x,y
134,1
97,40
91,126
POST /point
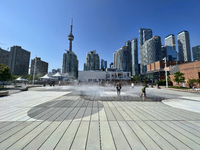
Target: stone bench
x,y
4,93
24,89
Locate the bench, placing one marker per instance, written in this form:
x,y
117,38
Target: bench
x,y
4,93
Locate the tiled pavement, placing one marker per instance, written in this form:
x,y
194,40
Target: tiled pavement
x,y
67,121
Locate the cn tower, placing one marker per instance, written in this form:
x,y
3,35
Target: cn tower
x,y
70,36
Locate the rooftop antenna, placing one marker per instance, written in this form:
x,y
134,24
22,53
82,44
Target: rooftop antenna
x,y
71,23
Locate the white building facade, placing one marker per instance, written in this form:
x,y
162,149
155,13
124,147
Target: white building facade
x,y
101,76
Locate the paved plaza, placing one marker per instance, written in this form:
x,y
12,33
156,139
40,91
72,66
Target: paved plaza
x,y
92,117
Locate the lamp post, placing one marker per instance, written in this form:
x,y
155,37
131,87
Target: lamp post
x,y
34,69
165,59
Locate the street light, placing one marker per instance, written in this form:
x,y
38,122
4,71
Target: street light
x,y
165,59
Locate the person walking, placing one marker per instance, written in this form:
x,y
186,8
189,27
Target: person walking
x,y
118,87
143,91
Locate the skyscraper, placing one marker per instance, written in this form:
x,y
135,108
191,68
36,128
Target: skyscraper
x,y
184,46
150,52
122,58
196,53
92,61
41,66
103,64
19,60
170,41
144,35
134,55
70,61
4,56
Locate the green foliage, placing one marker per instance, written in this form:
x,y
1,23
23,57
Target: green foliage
x,y
136,79
177,87
13,77
5,73
30,77
161,82
179,77
192,81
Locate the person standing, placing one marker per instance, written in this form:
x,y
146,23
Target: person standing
x,y
118,87
132,85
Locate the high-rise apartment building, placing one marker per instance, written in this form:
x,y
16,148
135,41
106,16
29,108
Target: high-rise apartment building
x,y
170,41
92,61
144,35
70,61
196,53
41,66
19,60
150,52
122,58
184,46
4,56
103,64
134,55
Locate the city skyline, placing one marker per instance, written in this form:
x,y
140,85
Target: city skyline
x,y
43,28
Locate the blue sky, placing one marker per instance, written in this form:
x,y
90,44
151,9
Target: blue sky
x,y
42,26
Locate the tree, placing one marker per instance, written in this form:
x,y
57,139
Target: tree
x,y
179,77
5,73
198,80
191,82
136,79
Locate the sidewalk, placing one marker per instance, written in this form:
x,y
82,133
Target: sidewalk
x,y
63,120
182,90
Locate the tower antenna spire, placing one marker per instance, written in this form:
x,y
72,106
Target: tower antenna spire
x,y
71,23
72,19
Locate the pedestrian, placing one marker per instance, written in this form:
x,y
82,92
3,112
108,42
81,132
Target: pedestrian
x,y
132,85
118,87
143,91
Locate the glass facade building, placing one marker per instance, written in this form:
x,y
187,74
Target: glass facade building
x,y
103,64
196,53
150,52
92,61
184,46
70,64
169,53
170,41
122,58
134,53
144,35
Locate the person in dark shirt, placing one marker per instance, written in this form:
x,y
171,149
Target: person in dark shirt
x,y
118,87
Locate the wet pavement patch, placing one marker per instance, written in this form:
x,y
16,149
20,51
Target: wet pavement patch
x,y
96,96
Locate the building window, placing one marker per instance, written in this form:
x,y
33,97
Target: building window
x,y
199,75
